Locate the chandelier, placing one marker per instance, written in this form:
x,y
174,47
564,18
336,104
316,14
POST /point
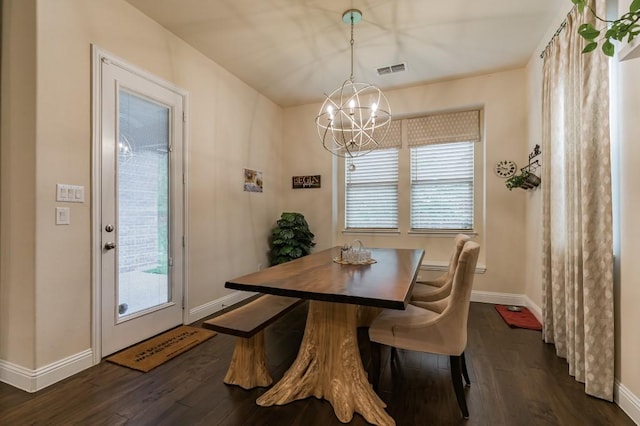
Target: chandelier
x,y
355,118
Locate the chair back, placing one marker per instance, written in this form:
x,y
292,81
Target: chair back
x,y
458,245
457,310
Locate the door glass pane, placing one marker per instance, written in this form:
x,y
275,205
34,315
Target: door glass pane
x,y
143,200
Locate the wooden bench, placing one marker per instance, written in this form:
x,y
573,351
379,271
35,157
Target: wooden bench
x,y
248,367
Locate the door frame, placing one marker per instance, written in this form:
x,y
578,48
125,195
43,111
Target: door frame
x,y
98,55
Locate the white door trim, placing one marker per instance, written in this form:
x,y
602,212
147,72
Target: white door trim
x,y
97,56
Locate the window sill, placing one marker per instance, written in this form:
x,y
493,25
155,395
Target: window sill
x,y
434,265
363,231
441,233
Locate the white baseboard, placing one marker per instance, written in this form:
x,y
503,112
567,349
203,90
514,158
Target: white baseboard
x,y
35,380
535,309
626,400
214,306
507,299
498,298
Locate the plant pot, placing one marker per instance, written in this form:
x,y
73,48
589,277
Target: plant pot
x,y
532,181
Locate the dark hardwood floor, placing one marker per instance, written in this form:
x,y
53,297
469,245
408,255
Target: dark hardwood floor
x,y
516,380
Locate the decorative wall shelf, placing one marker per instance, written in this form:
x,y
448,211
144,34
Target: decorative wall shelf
x,y
527,179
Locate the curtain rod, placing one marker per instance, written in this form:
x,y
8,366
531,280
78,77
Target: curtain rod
x,y
558,31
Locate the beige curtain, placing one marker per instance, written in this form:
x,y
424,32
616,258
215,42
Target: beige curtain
x,y
577,226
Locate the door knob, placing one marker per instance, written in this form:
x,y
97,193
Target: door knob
x,y
109,245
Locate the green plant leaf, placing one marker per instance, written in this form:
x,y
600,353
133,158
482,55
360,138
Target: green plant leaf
x,y
286,234
635,6
289,217
588,31
580,4
590,47
608,48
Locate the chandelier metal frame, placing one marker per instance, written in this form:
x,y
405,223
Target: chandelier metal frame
x,y
346,125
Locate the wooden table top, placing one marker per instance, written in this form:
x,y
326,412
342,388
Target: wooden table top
x,y
385,284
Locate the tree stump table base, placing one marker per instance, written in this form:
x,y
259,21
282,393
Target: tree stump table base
x,y
328,366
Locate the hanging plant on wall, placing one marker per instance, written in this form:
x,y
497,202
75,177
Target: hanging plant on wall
x,y
524,180
290,239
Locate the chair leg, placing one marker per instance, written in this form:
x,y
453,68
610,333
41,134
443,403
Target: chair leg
x,y
465,373
375,364
456,377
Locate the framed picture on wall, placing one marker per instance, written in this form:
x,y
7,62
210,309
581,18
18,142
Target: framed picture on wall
x,y
252,180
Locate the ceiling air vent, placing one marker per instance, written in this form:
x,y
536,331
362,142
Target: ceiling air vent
x,y
392,69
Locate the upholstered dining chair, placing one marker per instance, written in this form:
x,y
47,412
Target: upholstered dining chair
x,y
439,288
424,330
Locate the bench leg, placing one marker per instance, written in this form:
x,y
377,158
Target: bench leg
x,y
248,367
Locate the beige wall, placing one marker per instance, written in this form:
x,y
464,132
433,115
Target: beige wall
x,y
231,127
501,229
17,183
628,315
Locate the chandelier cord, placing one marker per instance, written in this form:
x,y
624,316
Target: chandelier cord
x,y
351,43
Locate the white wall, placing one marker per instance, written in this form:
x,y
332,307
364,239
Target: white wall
x,y
231,127
501,233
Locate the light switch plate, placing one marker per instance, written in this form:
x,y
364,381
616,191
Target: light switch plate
x,y
63,216
69,193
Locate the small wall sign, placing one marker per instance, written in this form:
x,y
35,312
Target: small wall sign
x,y
305,182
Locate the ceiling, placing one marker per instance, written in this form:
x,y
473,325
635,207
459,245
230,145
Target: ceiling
x,y
294,51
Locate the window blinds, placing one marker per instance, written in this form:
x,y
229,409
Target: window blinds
x,y
371,194
442,186
372,190
442,147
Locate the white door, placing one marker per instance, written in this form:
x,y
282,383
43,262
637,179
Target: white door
x,y
141,206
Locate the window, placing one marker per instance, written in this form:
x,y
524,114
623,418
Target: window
x,y
421,180
372,190
442,186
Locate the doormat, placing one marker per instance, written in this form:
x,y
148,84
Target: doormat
x,y
153,352
520,319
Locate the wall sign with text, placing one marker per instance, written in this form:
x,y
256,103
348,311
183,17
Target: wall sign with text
x,y
305,182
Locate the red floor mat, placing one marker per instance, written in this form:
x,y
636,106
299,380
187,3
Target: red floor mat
x,y
522,319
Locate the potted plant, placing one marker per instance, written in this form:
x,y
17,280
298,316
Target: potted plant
x,y
290,239
524,180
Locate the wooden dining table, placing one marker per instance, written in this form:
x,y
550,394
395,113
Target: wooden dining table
x,y
328,364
